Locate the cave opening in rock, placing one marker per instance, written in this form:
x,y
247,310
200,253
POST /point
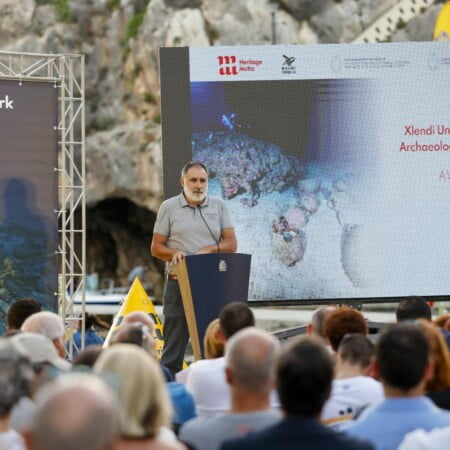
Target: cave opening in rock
x,y
118,237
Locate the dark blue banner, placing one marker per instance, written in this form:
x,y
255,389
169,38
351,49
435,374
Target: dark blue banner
x,y
28,193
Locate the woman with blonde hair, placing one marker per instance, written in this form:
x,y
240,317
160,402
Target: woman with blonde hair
x,y
213,342
213,346
145,410
438,387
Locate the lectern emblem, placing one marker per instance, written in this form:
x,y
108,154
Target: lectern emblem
x,y
222,265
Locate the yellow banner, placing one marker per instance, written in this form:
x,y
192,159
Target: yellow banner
x,y
442,27
138,300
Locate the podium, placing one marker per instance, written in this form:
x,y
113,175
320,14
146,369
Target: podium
x,y
207,284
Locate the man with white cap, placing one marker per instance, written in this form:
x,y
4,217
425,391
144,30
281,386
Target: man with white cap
x,y
46,364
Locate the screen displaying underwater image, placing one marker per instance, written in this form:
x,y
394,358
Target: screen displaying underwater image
x,y
333,160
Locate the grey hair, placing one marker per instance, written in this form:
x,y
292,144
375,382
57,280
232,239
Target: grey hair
x,y
45,322
191,164
318,319
16,374
251,356
77,411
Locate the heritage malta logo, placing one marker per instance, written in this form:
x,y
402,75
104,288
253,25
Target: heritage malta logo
x,y
230,65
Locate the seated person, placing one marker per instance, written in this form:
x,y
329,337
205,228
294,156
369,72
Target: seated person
x,y
403,365
352,389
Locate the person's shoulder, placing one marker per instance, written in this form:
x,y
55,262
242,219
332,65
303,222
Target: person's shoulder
x,y
335,440
267,437
200,372
182,401
153,444
171,201
442,414
371,417
246,442
93,338
354,426
365,380
207,364
360,381
170,446
350,443
439,416
200,425
190,428
423,440
365,386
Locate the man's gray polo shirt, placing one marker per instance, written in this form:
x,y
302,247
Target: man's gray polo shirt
x,y
184,226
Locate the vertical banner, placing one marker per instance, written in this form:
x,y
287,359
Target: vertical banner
x,y
28,193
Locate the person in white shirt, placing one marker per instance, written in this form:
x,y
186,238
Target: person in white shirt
x,y
352,389
206,379
437,439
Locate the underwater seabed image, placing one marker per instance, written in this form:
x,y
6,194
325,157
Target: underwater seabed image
x,y
303,223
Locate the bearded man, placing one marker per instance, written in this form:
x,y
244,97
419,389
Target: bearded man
x,y
188,224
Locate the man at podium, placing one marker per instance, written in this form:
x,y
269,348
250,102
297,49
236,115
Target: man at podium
x,y
187,224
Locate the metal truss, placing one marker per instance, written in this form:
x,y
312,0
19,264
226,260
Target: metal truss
x,y
399,14
66,71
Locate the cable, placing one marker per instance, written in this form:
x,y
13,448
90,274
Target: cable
x,y
209,229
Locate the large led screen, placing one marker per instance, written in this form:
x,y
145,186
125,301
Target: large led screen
x,y
333,159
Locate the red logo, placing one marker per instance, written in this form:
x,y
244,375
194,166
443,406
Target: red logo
x,y
227,65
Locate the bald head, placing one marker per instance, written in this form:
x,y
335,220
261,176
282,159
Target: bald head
x,y
318,318
76,412
48,324
250,360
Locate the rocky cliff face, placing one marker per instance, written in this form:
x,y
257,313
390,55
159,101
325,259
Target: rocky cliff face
x,y
120,39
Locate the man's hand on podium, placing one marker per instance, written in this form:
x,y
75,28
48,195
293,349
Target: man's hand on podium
x,y
177,257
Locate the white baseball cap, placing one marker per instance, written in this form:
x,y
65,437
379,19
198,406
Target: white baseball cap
x,y
40,349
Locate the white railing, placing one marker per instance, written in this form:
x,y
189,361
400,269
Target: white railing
x,y
396,17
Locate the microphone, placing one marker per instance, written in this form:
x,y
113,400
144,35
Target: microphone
x,y
217,241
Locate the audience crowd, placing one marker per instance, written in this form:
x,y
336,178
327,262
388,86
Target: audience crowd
x,y
336,387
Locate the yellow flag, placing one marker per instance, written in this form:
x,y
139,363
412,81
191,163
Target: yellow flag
x,y
138,300
442,27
